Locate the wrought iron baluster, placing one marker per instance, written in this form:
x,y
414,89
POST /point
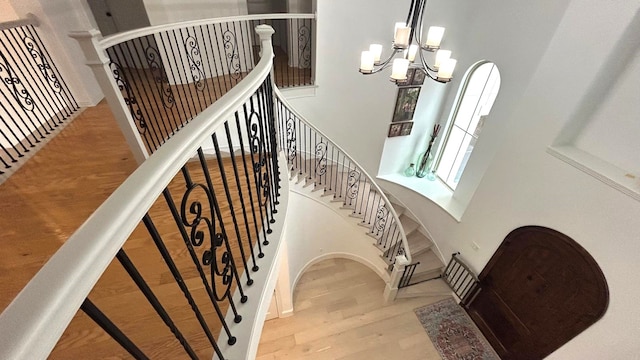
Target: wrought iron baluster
x,y
17,85
257,139
141,84
21,116
205,58
17,139
222,74
246,175
217,239
159,83
271,125
211,64
183,80
70,99
47,101
49,78
241,195
269,182
188,75
194,257
153,300
230,43
222,236
181,97
131,96
225,184
110,328
20,95
155,236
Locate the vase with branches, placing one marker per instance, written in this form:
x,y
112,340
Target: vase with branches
x,y
425,161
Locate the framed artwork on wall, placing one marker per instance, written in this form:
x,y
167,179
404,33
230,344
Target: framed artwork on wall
x,y
409,80
400,129
418,77
406,103
395,130
406,128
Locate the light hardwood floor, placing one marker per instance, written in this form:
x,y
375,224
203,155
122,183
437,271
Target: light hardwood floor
x,y
339,313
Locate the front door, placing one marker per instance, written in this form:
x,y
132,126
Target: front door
x,y
539,290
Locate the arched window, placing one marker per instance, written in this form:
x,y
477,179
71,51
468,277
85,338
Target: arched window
x,y
473,103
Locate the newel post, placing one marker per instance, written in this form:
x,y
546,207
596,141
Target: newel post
x,y
99,62
391,289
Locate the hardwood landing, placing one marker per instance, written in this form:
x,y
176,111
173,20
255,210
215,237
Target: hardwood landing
x,y
52,195
340,314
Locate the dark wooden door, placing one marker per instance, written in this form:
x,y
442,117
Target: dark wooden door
x,y
539,290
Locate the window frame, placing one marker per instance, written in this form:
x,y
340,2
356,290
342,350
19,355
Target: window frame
x,y
454,112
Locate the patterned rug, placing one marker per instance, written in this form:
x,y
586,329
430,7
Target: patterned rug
x,y
453,333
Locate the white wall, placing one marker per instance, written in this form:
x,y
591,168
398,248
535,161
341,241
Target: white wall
x,y
324,234
170,11
6,11
551,57
352,109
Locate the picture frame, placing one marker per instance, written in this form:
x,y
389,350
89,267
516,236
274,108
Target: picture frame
x,y
395,130
406,128
418,77
400,129
406,102
409,79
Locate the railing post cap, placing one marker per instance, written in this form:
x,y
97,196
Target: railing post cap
x,y
401,260
91,33
264,31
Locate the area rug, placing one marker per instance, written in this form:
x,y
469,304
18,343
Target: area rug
x,y
453,333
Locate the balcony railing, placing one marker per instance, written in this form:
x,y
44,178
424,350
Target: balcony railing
x,y
35,101
168,74
212,218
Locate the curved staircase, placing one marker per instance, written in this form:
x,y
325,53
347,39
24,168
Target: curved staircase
x,y
362,203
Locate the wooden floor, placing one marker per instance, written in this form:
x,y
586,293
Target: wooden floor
x,y
339,314
339,310
53,193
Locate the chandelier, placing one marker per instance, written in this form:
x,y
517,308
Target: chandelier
x,y
407,41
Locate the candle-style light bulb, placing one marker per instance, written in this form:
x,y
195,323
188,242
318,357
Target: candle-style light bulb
x,y
366,62
399,69
401,35
376,50
441,57
446,70
411,52
434,37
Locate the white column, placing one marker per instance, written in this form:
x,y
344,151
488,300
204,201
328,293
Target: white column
x,y
98,61
391,289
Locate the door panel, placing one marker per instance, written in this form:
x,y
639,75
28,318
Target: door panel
x,y
539,290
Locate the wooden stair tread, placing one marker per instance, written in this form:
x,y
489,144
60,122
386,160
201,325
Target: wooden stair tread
x,y
428,263
435,287
418,243
408,224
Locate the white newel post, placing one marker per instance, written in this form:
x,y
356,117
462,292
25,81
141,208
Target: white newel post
x,y
98,61
391,289
265,32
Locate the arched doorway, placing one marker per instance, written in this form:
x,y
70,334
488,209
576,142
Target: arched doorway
x,y
539,290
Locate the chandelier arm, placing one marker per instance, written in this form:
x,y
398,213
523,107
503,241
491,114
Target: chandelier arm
x,y
423,6
385,63
425,65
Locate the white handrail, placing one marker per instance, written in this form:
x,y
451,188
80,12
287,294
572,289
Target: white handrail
x,y
405,244
30,19
34,321
118,38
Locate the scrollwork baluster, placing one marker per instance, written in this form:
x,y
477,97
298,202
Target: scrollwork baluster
x,y
154,61
195,63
